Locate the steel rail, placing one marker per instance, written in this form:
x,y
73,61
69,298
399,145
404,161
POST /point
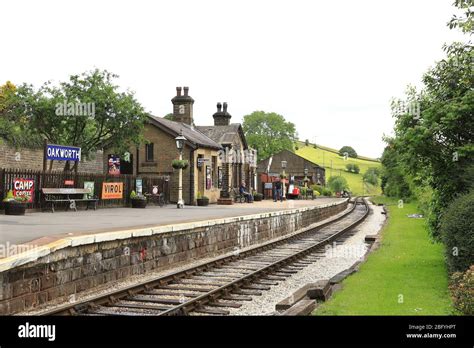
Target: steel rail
x,y
186,307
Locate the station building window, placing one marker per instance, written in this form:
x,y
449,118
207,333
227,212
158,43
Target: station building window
x,y
149,153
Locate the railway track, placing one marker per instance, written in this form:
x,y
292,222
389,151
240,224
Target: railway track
x,y
225,283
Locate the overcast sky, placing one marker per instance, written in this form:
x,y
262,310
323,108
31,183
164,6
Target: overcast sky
x,y
330,67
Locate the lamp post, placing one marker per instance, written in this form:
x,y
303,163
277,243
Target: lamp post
x,y
224,194
180,139
283,166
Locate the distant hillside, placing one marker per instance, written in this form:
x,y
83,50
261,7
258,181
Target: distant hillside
x,y
325,156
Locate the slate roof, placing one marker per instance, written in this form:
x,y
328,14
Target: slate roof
x,y
224,134
294,161
192,134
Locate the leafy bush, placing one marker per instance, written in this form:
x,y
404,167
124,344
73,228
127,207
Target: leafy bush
x,y
457,232
9,196
303,191
349,150
327,192
316,193
201,196
134,195
462,291
371,176
353,168
317,188
337,183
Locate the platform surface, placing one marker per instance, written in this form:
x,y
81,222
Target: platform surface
x,y
41,228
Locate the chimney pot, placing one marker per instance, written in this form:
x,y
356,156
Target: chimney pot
x,y
225,107
219,107
178,91
186,89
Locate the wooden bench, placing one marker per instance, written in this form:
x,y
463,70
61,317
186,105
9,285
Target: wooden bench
x,y
156,198
58,195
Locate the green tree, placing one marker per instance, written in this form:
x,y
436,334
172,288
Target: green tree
x,y
371,177
269,133
117,121
349,150
169,116
337,183
436,144
353,168
393,180
306,142
14,125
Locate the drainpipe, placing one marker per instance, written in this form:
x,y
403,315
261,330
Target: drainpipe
x,y
191,174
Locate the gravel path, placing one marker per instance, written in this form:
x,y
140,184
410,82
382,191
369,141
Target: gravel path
x,y
337,259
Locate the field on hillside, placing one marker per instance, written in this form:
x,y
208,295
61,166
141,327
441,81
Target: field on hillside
x,y
327,157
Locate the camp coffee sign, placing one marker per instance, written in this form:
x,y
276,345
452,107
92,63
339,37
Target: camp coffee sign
x,y
63,153
24,188
112,190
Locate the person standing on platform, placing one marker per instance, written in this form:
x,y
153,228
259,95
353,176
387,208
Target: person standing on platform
x,y
278,192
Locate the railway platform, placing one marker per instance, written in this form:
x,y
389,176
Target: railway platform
x,y
69,253
41,228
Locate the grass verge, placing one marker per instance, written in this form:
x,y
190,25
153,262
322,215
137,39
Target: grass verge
x,y
407,275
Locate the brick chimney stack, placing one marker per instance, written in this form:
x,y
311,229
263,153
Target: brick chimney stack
x,y
183,106
221,117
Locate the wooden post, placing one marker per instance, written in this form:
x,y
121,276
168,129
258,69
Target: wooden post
x,y
45,155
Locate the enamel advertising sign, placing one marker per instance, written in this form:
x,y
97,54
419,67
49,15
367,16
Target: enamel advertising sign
x,y
63,153
24,187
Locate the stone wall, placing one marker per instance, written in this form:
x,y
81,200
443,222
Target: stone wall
x,y
80,263
29,158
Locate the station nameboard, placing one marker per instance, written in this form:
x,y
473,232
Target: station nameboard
x,y
63,153
112,190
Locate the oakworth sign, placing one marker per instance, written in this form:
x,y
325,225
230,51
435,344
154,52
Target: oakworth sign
x,y
63,153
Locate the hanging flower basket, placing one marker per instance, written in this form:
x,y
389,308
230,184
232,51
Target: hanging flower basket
x,y
179,164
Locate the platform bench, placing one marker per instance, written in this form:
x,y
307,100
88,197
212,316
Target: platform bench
x,y
60,195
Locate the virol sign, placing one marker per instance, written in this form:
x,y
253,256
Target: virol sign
x,y
112,190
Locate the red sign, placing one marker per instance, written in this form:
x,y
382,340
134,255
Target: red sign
x,y
69,182
24,187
